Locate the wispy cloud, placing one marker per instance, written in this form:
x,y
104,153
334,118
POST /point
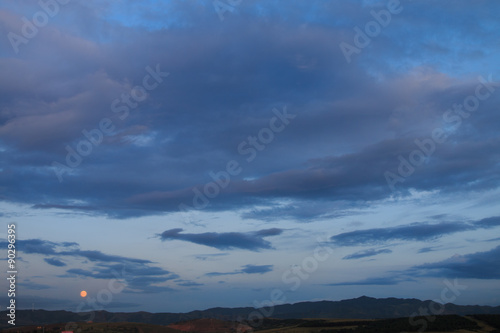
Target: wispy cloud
x,y
71,249
479,265
247,269
54,262
411,232
366,253
253,241
139,275
211,256
427,249
378,281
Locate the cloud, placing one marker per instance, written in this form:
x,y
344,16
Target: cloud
x,y
54,262
99,256
138,275
189,284
301,211
247,269
487,223
257,269
148,289
353,123
222,273
427,249
411,232
366,253
479,265
39,246
211,256
225,240
381,281
44,247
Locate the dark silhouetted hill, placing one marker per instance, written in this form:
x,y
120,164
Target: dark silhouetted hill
x,y
359,308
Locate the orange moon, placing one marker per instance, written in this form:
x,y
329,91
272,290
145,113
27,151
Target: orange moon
x,y
83,293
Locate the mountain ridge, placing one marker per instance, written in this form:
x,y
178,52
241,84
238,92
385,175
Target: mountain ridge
x,y
363,307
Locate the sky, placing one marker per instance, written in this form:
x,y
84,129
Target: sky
x,y
170,156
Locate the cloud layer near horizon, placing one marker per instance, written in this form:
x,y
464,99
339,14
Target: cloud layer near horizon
x,y
137,275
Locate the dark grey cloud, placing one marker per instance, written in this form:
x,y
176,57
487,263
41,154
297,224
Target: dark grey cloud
x,y
211,256
69,244
54,262
44,247
38,246
132,269
222,273
146,284
436,248
101,257
302,211
138,275
381,281
257,269
413,232
366,253
479,265
419,231
351,123
253,241
487,223
87,273
148,289
247,269
427,249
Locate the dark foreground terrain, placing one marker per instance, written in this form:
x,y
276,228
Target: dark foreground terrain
x,y
372,315
435,324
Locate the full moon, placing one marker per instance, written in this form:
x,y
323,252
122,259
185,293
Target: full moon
x,y
83,293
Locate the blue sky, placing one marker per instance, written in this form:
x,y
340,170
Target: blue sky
x,y
173,156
